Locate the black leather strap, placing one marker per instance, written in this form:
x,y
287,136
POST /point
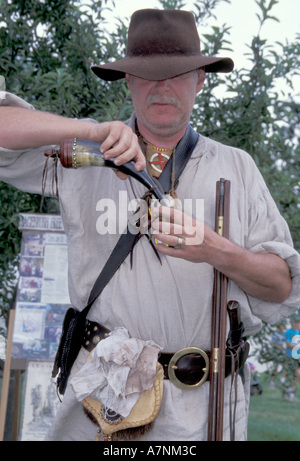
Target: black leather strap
x,y
183,153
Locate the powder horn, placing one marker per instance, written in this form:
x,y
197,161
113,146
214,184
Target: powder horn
x,y
77,153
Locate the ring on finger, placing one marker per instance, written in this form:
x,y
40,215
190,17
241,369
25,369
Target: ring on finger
x,y
180,243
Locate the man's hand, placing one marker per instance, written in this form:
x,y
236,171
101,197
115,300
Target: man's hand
x,y
172,227
120,143
23,128
262,275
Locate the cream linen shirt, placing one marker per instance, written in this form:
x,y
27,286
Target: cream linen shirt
x,y
169,303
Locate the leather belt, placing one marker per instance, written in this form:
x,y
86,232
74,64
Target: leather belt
x,y
188,368
93,333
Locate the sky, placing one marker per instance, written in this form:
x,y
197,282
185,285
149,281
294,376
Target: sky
x,y
240,15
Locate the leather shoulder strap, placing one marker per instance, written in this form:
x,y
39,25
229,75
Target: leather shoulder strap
x,y
183,153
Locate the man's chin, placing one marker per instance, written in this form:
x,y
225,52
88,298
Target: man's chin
x,y
164,117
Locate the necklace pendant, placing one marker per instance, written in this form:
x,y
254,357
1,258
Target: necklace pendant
x,y
157,158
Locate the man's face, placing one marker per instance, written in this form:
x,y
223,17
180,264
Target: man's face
x,y
163,108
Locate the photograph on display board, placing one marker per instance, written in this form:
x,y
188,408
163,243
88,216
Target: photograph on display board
x,y
40,401
37,330
42,295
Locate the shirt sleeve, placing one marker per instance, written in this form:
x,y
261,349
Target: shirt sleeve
x,y
269,233
23,168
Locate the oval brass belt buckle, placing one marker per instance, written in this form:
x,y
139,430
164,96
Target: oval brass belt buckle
x,y
172,368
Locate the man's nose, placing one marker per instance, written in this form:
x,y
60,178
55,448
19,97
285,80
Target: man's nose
x,y
163,84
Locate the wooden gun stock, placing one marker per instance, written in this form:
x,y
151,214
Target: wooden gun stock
x,y
218,326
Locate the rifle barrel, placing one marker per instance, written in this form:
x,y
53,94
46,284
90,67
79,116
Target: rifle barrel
x,y
218,327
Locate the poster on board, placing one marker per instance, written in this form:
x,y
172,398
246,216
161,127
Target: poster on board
x,y
42,300
40,402
42,295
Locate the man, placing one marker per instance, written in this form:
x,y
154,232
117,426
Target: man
x,y
168,303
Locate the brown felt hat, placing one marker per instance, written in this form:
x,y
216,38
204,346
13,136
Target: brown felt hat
x,y
161,44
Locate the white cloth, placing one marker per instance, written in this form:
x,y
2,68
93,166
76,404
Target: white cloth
x,y
169,303
118,370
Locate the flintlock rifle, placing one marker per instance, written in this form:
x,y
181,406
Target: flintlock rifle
x,y
218,326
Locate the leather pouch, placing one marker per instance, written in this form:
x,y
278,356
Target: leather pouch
x,y
137,422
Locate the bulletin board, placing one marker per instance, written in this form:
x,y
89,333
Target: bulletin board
x,y
36,324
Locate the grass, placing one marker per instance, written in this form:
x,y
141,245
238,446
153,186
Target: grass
x,y
271,418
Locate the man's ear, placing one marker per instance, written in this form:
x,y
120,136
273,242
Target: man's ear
x,y
201,79
127,79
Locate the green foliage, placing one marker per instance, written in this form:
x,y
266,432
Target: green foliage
x,y
46,53
172,4
274,356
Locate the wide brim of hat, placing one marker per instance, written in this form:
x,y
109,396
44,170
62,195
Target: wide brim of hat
x,y
160,67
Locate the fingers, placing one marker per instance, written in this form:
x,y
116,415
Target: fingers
x,y
167,228
176,231
170,242
121,144
169,220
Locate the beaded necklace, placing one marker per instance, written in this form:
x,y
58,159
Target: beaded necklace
x,y
156,158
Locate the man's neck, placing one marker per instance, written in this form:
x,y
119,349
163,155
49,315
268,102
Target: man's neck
x,y
160,140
